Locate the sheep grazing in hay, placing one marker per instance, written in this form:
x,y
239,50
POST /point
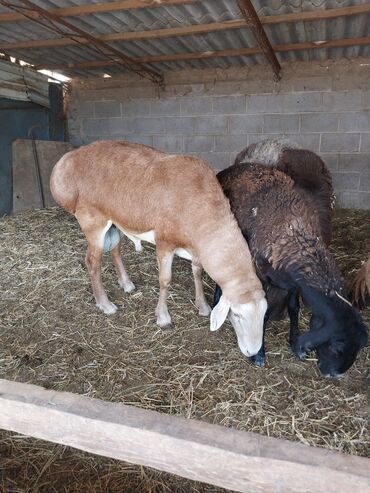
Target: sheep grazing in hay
x,y
284,210
174,202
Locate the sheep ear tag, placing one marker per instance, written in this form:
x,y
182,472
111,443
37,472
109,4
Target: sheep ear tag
x,y
219,314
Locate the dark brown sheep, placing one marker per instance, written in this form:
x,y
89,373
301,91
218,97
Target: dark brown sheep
x,y
280,218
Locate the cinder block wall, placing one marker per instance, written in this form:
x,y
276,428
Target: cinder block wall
x,y
214,114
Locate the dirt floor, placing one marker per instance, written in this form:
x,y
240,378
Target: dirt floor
x,y
51,334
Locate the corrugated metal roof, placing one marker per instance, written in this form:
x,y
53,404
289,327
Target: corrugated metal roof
x,y
23,84
208,11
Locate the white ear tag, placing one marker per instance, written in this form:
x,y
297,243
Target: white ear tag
x,y
219,314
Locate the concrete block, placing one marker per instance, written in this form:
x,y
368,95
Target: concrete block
x,y
165,107
198,144
306,141
365,182
280,123
331,161
302,102
354,162
365,142
347,200
266,103
364,200
346,181
211,125
147,125
136,107
227,105
83,109
169,143
245,124
180,125
342,101
319,122
233,143
106,126
366,99
340,142
107,109
355,121
218,160
146,140
196,106
26,193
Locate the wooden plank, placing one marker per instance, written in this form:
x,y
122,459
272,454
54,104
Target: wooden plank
x,y
237,460
193,29
137,4
96,8
26,193
316,15
336,43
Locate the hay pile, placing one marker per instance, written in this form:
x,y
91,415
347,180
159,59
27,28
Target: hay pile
x,y
51,334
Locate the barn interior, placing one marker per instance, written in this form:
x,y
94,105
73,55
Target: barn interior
x,y
205,78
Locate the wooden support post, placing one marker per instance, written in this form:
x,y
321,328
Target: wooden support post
x,y
255,25
241,461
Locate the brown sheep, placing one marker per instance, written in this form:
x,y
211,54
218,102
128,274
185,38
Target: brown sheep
x,y
175,202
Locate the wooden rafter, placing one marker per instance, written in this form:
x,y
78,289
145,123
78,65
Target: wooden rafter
x,y
335,43
97,8
193,29
254,23
137,4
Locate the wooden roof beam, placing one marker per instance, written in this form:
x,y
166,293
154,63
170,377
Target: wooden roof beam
x,y
96,8
193,29
253,22
335,43
100,8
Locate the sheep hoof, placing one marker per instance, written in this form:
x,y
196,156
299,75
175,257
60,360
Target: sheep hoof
x,y
127,286
258,360
167,327
299,352
204,310
108,308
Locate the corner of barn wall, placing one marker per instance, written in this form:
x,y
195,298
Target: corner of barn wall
x,y
213,113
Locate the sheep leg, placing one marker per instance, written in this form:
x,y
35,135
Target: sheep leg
x,y
293,311
200,299
164,259
93,225
123,278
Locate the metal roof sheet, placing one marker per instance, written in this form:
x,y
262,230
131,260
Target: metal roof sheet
x,y
204,12
23,84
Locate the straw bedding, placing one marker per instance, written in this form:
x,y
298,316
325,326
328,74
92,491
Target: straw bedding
x,y
51,334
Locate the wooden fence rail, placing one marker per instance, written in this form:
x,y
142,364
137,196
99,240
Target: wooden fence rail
x,y
237,460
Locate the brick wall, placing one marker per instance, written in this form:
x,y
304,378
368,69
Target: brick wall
x,y
214,114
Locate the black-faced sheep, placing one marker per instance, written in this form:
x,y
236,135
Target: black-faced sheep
x,y
281,220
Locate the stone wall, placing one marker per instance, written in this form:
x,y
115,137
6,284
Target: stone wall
x,y
215,113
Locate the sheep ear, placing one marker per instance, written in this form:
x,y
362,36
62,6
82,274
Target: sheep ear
x,y
219,314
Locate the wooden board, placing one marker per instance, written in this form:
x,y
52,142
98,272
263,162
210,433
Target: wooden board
x,y
26,193
241,461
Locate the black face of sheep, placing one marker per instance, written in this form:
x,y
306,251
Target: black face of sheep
x,y
336,341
